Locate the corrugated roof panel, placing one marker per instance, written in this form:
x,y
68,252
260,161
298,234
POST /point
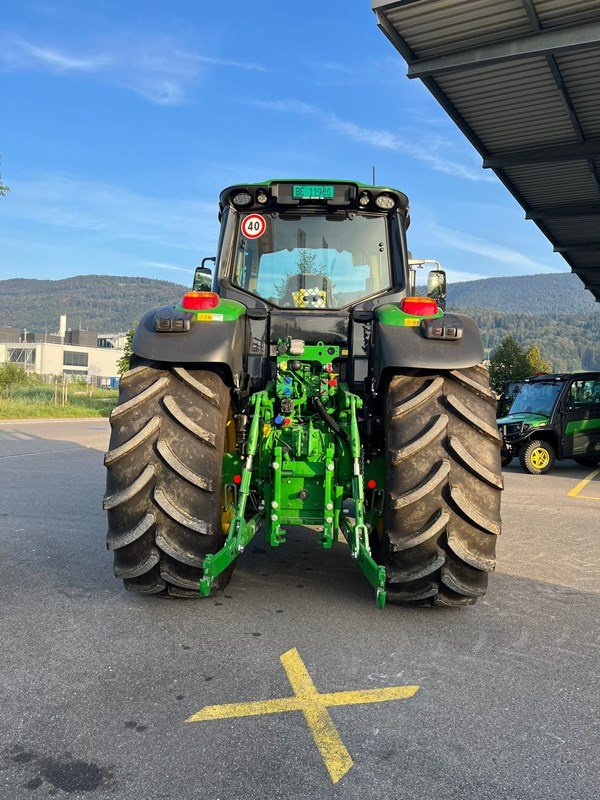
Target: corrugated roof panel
x,y
581,73
434,27
587,261
587,267
554,13
547,184
518,105
509,105
574,229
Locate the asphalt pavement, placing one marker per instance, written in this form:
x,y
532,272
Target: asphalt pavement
x,y
96,684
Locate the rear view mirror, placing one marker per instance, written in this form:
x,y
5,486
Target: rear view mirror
x,y
436,286
203,277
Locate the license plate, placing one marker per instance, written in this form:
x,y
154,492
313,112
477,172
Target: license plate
x,y
313,192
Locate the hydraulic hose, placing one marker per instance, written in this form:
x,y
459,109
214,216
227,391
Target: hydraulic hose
x,y
330,421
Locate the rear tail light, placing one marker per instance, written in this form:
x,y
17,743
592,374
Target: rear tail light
x,y
419,306
199,301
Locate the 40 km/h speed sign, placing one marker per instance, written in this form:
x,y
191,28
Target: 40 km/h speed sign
x,y
253,226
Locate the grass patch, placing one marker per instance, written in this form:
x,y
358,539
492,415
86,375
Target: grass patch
x,y
36,401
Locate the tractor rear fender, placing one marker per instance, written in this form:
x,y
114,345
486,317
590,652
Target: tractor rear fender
x,y
206,343
406,347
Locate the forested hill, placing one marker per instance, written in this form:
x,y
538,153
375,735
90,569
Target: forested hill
x,y
551,310
105,303
555,293
109,303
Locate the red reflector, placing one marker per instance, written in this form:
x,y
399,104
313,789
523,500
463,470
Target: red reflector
x,y
237,479
419,306
199,301
371,484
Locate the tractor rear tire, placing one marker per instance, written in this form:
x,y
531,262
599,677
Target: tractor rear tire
x,y
443,485
163,488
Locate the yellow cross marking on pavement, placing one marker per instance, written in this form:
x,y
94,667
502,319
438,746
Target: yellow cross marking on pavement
x,y
314,706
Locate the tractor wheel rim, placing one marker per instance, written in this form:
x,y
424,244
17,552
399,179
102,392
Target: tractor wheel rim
x,y
540,458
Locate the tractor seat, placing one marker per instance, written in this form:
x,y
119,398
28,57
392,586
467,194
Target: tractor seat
x,y
306,290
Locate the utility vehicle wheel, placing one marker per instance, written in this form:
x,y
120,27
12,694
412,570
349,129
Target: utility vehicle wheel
x,y
537,457
587,461
506,460
442,499
163,488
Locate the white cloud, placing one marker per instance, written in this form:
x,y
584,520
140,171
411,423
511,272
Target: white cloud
x,y
162,265
460,276
115,212
484,247
227,62
453,276
19,54
287,106
156,67
428,151
60,61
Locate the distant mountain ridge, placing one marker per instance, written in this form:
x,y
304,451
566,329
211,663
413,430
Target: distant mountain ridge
x,y
104,303
548,293
552,310
108,303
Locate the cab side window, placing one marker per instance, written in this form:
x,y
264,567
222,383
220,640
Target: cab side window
x,y
585,394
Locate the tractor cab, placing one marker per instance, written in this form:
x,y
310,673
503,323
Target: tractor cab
x,y
553,417
292,247
321,261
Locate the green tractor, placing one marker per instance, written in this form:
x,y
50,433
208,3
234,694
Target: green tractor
x,y
304,384
553,417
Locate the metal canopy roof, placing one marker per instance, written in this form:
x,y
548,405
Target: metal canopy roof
x,y
521,79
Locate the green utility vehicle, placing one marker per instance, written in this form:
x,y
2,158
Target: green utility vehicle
x,y
304,384
553,416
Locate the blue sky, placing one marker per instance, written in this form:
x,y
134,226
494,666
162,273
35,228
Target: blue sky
x,y
122,121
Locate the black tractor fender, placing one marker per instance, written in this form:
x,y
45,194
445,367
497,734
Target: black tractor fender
x,y
205,343
408,347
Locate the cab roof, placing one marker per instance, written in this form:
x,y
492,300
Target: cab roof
x,y
401,198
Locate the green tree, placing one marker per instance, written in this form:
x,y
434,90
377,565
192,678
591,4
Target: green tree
x,y
305,265
535,362
124,363
3,189
508,363
11,375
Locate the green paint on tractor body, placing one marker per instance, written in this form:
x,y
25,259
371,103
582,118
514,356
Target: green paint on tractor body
x,y
304,463
392,314
225,311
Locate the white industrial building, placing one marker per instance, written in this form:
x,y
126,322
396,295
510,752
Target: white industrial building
x,y
68,352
